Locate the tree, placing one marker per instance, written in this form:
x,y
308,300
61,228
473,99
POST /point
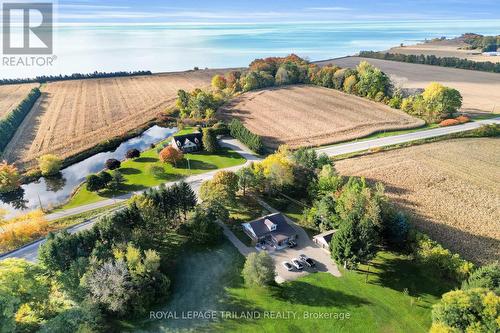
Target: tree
x,y
133,153
440,102
277,170
186,196
49,164
203,225
209,140
259,269
221,188
117,180
350,84
219,82
113,164
171,155
246,179
94,183
372,81
474,310
484,277
10,179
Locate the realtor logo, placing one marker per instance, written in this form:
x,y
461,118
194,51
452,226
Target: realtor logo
x,y
27,28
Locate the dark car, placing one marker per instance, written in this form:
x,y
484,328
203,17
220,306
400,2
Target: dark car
x,y
287,265
306,260
291,244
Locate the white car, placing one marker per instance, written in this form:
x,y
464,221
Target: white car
x,y
306,260
296,263
287,265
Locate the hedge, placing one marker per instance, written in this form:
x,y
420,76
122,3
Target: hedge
x,y
251,140
454,62
10,124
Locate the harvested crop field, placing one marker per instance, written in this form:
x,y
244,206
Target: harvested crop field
x,y
72,116
305,115
11,95
480,90
451,187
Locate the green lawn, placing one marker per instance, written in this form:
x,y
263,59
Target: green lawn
x,y
138,177
396,297
185,130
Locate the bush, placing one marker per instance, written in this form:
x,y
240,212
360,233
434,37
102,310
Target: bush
x,y
113,164
133,153
49,164
220,128
259,269
449,122
171,155
484,277
251,140
21,230
209,140
10,180
10,123
462,119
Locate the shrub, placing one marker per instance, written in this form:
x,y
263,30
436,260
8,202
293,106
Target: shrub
x,y
220,128
133,153
209,140
251,140
259,269
49,164
113,164
462,119
171,155
491,130
156,170
98,182
484,277
22,229
9,178
449,122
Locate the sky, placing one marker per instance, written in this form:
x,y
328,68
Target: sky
x,y
254,11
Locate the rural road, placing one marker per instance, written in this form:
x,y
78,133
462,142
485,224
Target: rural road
x,y
30,251
352,147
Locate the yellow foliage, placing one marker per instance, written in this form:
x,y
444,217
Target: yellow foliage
x,y
22,229
49,164
9,177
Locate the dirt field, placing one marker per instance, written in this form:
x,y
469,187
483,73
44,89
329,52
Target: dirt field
x,y
72,116
11,95
452,188
444,48
312,116
480,90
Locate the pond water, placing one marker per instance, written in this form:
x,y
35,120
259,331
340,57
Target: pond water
x,y
47,192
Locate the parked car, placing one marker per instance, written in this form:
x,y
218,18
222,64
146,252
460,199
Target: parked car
x,y
306,260
291,244
262,246
296,263
287,265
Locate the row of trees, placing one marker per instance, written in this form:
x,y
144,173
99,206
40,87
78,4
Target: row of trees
x,y
486,66
10,123
243,134
365,80
484,43
119,268
74,76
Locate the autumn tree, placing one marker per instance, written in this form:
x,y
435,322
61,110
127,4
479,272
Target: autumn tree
x,y
171,155
219,82
10,179
221,188
440,101
277,170
49,164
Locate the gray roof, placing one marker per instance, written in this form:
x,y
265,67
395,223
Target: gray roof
x,y
283,229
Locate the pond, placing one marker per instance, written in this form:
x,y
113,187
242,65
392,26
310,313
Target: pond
x,y
52,191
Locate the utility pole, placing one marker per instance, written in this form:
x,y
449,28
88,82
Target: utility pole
x,y
40,201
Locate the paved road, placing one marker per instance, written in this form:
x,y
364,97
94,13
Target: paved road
x,y
30,252
353,147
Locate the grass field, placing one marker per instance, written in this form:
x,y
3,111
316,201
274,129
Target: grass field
x,y
451,188
480,90
313,116
75,115
138,177
396,297
12,94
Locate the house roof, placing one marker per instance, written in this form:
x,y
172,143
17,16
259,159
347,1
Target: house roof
x,y
182,140
283,229
326,236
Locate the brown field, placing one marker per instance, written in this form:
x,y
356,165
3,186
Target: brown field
x,y
72,116
312,116
11,95
451,187
444,48
480,90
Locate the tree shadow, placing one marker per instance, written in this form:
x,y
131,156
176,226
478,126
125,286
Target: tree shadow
x,y
129,171
196,165
298,292
146,160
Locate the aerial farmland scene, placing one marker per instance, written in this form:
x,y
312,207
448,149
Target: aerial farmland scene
x,y
251,166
